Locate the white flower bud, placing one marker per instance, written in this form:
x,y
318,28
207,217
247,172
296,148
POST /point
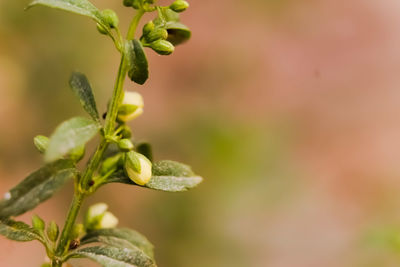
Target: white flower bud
x,y
97,217
131,107
138,168
108,220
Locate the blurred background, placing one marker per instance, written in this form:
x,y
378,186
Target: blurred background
x,y
290,110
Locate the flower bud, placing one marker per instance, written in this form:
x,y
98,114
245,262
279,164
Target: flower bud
x,y
136,4
98,217
162,47
38,223
101,29
125,145
110,17
110,164
77,153
179,6
108,221
126,132
77,231
128,3
138,168
53,231
131,107
156,34
148,27
41,143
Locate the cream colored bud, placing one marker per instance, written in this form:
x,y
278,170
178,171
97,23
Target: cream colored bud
x,y
108,221
138,168
131,107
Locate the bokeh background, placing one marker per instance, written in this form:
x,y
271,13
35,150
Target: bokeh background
x,y
289,109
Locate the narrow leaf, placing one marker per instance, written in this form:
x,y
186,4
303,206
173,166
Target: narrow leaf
x,y
110,256
36,188
167,176
113,236
70,134
81,87
18,231
137,62
81,7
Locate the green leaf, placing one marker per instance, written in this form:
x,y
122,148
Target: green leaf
x,y
167,176
81,87
36,188
70,134
178,33
18,231
81,7
113,236
137,62
110,256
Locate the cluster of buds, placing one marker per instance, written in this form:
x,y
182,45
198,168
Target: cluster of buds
x,y
97,217
155,36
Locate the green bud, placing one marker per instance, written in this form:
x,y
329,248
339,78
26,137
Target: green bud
x,y
78,230
126,132
98,217
138,168
41,143
179,6
38,223
156,34
131,107
125,145
110,17
77,153
110,164
101,29
53,231
136,4
128,3
148,27
162,47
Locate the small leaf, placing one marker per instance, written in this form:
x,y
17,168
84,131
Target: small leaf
x,y
81,7
110,256
36,188
70,134
178,33
137,62
18,231
113,236
167,176
81,87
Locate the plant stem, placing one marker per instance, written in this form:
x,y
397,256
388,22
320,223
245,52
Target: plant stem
x,y
134,24
109,125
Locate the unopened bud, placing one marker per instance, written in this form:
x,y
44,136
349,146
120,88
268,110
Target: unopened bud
x,y
77,231
126,132
108,221
138,168
77,153
156,34
131,107
53,231
179,6
101,29
41,143
125,145
98,217
148,27
110,17
38,223
162,47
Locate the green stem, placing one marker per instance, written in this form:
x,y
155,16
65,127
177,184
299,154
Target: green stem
x,y
134,24
83,184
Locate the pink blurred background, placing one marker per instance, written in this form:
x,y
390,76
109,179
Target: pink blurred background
x,y
289,109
